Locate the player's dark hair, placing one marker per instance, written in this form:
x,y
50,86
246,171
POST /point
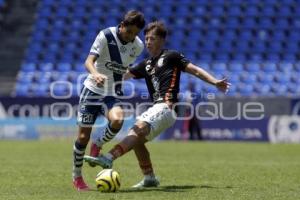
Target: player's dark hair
x,y
158,27
134,17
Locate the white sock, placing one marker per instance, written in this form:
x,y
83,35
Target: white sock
x,y
149,176
78,153
106,136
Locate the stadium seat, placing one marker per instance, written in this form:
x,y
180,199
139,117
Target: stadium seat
x,y
266,78
285,66
210,89
46,67
232,91
274,47
43,77
269,67
252,67
230,38
284,11
297,66
28,67
245,89
268,11
64,67
279,90
61,90
234,11
259,47
256,57
248,78
22,90
272,57
234,79
294,89
219,67
222,57
79,67
235,67
262,89
41,90
25,77
249,23
283,78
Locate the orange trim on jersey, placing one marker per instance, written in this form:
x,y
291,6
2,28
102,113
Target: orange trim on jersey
x,y
173,81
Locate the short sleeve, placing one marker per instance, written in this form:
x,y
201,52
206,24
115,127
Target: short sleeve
x,y
181,60
98,44
139,70
140,46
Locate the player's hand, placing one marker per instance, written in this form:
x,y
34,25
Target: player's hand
x,y
223,85
99,79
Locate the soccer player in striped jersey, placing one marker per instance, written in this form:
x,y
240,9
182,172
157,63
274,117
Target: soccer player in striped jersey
x,y
113,50
162,74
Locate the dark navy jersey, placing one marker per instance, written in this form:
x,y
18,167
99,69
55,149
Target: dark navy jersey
x,y
162,75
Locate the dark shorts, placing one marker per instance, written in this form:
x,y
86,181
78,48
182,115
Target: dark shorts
x,y
92,104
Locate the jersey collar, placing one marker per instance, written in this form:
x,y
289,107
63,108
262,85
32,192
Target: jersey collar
x,y
156,57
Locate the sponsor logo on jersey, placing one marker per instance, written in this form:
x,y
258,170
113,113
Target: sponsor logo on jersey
x,y
116,67
160,62
148,68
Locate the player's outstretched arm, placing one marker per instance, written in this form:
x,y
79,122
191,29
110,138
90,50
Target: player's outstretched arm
x,y
222,85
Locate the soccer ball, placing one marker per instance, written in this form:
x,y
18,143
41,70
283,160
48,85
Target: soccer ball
x,y
108,180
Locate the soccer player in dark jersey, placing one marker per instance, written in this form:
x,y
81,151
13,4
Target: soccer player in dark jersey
x,y
162,74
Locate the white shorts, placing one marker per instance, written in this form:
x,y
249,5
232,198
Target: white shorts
x,y
160,117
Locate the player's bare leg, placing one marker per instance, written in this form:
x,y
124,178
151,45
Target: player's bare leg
x,y
78,154
115,117
135,136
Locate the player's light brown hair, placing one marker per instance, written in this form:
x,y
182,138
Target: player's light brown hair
x,y
134,17
158,27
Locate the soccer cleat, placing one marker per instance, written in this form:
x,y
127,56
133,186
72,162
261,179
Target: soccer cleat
x,y
80,185
94,152
152,182
101,160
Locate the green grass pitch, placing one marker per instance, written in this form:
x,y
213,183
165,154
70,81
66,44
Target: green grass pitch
x,y
41,170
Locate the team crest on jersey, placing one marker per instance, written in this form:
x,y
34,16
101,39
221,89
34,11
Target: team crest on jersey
x,y
160,62
123,49
133,52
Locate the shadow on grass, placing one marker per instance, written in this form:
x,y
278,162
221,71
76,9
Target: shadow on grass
x,y
173,188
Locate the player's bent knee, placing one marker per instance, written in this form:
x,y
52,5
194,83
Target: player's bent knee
x,y
141,129
116,114
83,138
116,124
84,135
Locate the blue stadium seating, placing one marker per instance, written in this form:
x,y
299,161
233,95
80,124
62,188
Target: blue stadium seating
x,y
22,90
262,89
255,43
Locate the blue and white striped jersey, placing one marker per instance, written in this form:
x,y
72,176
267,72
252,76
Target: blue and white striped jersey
x,y
104,64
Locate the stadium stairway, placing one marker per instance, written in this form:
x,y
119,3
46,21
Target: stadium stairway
x,y
15,30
